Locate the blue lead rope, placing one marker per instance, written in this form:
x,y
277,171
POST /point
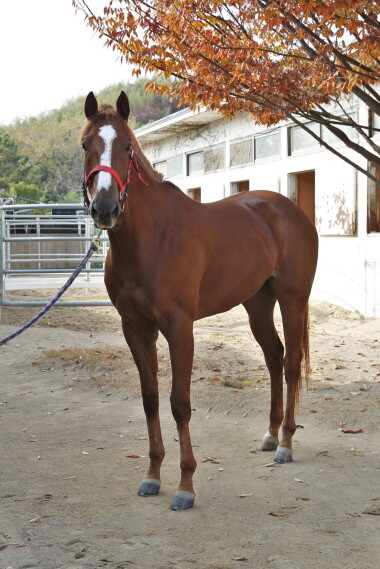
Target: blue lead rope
x,y
93,247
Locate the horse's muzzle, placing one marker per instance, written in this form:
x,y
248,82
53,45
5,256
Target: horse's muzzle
x,y
104,212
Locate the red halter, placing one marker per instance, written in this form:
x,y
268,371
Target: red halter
x,y
123,188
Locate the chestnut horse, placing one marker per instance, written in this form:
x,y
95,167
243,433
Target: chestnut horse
x,y
173,260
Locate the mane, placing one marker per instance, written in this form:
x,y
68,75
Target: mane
x,y
108,113
143,160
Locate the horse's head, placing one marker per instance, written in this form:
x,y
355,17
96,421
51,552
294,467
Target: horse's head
x,y
107,147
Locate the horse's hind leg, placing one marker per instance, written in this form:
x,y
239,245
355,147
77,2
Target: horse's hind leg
x,y
260,310
141,339
294,312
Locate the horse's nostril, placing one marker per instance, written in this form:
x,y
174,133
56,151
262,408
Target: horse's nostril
x,y
116,210
94,209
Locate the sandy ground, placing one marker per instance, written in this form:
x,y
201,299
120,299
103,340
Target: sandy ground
x,y
71,420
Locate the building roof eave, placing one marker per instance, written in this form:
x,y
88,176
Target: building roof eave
x,y
174,123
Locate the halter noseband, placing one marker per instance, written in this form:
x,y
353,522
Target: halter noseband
x,y
123,188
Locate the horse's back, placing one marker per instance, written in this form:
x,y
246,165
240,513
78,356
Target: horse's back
x,y
271,216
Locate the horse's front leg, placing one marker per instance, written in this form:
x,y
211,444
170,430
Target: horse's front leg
x,y
179,334
142,341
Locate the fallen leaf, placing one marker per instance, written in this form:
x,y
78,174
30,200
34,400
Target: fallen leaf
x,y
298,480
239,559
133,456
245,495
277,514
209,459
352,432
373,510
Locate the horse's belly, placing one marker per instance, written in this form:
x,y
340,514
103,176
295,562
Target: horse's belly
x,y
232,284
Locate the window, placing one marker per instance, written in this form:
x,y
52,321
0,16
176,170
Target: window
x,y
161,167
241,152
300,140
373,216
170,168
268,145
330,138
195,194
374,121
175,167
237,187
214,159
195,163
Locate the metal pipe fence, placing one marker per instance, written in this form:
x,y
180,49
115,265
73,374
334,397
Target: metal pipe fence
x,y
41,245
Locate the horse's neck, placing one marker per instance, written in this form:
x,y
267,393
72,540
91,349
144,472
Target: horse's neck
x,y
145,215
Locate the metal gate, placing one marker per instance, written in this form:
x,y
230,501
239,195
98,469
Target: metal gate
x,y
41,245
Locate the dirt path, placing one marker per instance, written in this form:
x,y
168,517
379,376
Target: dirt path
x,y
71,417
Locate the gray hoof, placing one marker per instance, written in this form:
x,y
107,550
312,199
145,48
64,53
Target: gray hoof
x,y
182,500
283,455
269,442
149,487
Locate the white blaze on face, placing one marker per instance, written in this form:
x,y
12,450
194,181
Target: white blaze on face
x,y
108,134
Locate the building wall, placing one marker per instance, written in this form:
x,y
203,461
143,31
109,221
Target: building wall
x,y
348,271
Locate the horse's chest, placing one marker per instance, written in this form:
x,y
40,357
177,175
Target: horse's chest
x,y
130,299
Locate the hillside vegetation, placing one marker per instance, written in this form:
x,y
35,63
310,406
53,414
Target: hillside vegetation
x,y
41,158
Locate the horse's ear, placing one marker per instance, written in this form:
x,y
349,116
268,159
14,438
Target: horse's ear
x,y
122,105
91,105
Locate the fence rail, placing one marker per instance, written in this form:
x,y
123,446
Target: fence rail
x,y
41,245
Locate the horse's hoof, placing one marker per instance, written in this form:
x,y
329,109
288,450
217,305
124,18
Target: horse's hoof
x,y
269,442
182,500
149,487
283,455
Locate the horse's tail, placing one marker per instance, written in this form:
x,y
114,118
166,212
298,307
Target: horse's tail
x,y
306,369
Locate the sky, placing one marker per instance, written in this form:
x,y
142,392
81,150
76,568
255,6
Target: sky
x,y
48,56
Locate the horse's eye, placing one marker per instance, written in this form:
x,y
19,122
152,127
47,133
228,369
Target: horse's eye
x,y
84,146
128,147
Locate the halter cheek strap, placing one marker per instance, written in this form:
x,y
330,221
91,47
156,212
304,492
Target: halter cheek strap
x,y
123,188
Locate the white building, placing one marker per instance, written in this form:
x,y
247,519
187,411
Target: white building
x,y
210,157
